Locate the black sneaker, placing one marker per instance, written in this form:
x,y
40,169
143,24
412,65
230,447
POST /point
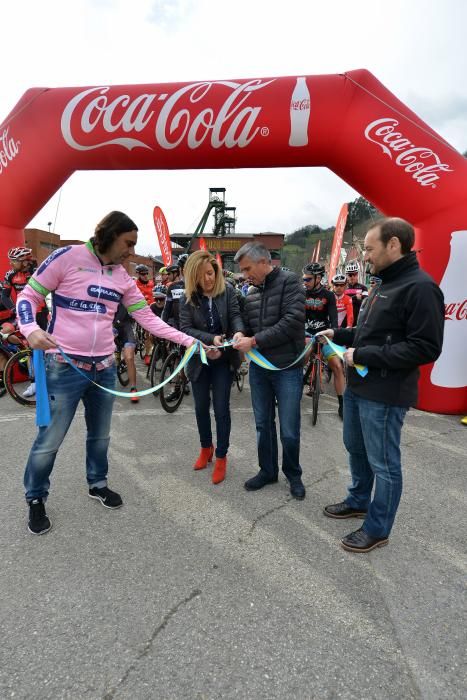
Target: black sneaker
x,y
257,482
38,523
108,498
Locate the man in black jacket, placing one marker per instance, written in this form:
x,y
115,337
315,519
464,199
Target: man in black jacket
x,y
398,329
274,317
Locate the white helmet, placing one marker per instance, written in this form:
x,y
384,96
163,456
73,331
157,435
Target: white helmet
x,y
339,279
352,266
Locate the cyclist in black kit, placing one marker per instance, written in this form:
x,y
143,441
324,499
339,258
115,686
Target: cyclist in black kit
x,y
175,291
320,314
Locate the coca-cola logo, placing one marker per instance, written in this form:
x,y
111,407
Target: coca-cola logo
x,y
233,124
9,149
456,311
421,162
300,105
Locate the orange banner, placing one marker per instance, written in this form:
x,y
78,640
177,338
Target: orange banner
x,y
163,235
202,244
337,242
219,260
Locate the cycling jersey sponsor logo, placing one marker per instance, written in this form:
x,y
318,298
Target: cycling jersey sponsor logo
x,y
56,254
79,304
25,312
88,269
104,293
177,293
316,303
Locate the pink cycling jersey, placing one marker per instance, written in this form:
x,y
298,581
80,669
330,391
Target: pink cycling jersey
x,y
85,297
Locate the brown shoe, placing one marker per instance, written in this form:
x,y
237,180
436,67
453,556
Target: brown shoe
x,y
342,510
361,541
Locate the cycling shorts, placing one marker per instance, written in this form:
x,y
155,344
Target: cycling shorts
x,y
126,335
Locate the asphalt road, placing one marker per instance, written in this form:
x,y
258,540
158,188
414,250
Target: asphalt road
x,y
203,592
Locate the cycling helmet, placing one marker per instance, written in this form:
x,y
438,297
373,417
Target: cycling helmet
x,y
172,268
163,271
339,279
20,253
352,266
159,291
314,268
182,260
285,269
141,269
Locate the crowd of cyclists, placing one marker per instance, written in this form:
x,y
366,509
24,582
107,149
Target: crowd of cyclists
x,y
329,304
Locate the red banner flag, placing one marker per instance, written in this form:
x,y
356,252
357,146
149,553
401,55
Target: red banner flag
x,y
317,251
163,235
337,242
202,244
219,260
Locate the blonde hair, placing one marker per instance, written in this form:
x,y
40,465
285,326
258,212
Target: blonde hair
x,y
193,271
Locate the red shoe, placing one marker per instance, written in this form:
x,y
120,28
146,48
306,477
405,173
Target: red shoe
x,y
147,360
218,473
134,399
205,456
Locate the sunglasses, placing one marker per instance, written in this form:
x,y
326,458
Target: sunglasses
x,y
307,279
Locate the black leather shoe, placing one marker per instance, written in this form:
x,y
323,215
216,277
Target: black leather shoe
x,y
360,541
297,490
257,482
342,510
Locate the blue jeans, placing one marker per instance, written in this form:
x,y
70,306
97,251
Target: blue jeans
x,y
372,436
217,375
285,386
66,387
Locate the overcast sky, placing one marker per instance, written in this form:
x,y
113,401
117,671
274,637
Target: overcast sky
x,y
414,47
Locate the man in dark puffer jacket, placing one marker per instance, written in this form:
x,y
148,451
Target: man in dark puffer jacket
x,y
399,328
274,317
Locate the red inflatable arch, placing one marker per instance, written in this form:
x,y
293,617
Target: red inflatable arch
x,y
349,123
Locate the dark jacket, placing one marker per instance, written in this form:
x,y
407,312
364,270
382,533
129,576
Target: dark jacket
x,y
275,314
399,328
192,318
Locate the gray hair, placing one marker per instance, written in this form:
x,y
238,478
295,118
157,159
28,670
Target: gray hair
x,y
254,251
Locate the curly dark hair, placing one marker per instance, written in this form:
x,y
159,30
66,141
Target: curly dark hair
x,y
111,227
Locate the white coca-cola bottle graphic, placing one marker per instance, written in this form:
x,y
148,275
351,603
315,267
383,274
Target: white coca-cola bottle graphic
x,y
450,370
299,114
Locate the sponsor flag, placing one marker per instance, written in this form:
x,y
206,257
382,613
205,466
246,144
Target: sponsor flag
x,y
163,235
337,241
202,244
219,260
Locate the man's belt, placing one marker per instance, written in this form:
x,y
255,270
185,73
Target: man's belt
x,y
87,366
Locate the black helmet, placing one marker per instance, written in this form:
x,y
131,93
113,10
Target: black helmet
x,y
314,268
159,291
141,269
173,268
182,260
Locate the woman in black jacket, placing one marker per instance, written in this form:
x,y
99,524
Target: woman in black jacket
x,y
210,310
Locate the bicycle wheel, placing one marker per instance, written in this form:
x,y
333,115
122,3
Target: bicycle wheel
x,y
239,380
315,389
6,356
171,395
122,373
18,376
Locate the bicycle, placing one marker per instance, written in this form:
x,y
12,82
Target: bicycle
x,y
239,376
140,335
158,355
18,375
313,377
171,395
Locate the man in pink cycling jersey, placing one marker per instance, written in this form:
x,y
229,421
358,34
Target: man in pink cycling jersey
x,y
87,283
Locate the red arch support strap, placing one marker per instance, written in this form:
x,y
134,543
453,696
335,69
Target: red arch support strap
x,y
350,123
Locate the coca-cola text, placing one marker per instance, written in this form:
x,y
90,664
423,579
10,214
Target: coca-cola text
x,y
234,124
9,149
421,162
456,311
